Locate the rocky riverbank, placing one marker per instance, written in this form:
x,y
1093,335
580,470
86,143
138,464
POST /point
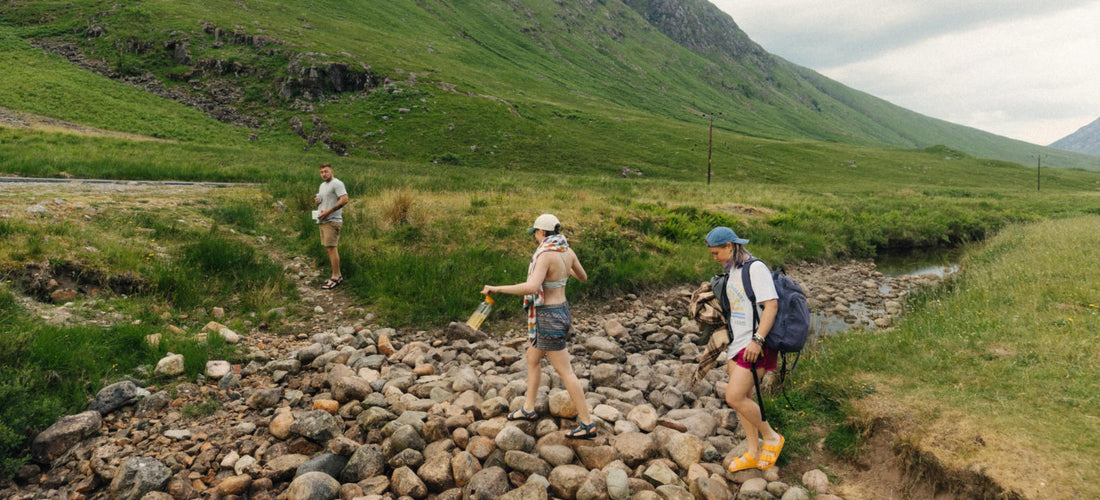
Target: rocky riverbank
x,y
354,409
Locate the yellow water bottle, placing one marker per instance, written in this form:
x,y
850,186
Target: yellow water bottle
x,y
481,313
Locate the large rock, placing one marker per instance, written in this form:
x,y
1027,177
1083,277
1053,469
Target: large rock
x,y
618,484
138,476
464,466
329,463
216,369
644,416
486,484
368,461
169,366
530,490
264,398
436,472
561,405
115,396
684,449
594,487
313,486
284,467
63,434
565,480
513,438
318,426
706,488
405,482
526,463
635,448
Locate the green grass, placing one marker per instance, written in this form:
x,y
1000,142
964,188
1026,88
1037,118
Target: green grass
x,y
1004,355
48,371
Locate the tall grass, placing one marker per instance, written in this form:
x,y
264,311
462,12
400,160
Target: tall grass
x,y
1002,358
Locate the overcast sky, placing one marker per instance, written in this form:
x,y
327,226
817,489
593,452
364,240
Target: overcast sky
x,y
1025,69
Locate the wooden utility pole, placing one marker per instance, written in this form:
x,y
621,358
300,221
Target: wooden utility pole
x,y
1038,171
710,142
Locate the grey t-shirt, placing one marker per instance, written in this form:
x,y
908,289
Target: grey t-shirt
x,y
329,193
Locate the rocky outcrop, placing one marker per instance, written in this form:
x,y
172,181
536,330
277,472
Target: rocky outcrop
x,y
367,411
313,75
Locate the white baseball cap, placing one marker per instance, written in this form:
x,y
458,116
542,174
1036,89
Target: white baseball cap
x,y
546,222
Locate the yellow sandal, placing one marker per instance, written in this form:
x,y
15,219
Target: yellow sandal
x,y
770,454
743,462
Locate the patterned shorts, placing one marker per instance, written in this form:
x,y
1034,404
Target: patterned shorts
x,y
552,324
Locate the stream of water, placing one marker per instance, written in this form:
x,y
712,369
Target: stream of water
x,y
942,263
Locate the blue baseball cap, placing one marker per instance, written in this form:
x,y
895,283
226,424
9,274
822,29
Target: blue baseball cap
x,y
721,235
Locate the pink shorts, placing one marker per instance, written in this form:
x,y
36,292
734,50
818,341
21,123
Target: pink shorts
x,y
768,361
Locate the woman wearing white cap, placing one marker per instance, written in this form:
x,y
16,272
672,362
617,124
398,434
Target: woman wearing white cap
x,y
747,351
548,319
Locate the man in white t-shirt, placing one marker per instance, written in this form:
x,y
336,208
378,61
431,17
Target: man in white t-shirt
x,y
330,198
747,350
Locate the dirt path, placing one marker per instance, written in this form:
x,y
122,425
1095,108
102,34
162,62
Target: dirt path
x,y
17,119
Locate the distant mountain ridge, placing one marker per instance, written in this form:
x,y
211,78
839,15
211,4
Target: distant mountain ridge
x,y
279,66
1085,140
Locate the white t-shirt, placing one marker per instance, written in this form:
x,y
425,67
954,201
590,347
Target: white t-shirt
x,y
740,312
330,193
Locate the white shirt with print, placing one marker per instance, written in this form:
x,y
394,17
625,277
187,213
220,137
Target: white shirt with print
x,y
740,312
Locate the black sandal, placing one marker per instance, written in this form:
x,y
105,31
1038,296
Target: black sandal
x,y
583,431
523,415
332,283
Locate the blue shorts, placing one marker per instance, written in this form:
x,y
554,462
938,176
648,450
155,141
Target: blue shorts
x,y
552,324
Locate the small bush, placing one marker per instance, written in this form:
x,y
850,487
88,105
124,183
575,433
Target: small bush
x,y
397,206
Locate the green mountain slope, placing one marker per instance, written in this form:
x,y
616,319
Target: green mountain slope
x,y
520,84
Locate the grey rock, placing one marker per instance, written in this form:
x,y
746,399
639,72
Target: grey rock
x,y
69,430
526,463
436,472
368,461
406,437
264,398
318,426
138,476
565,480
487,484
114,396
313,486
512,437
618,484
796,493
405,482
328,463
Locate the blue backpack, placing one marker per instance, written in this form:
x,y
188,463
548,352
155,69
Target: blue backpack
x,y
792,320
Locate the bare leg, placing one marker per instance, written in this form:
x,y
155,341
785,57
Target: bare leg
x,y
334,259
739,397
560,361
534,377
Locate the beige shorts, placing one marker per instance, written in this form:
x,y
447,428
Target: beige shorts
x,y
330,233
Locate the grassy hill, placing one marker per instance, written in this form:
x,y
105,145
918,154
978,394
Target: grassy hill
x,y
527,83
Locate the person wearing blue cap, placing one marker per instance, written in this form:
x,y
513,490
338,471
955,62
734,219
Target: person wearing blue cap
x,y
747,351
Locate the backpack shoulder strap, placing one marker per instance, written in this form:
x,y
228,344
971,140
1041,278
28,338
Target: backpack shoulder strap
x,y
747,282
